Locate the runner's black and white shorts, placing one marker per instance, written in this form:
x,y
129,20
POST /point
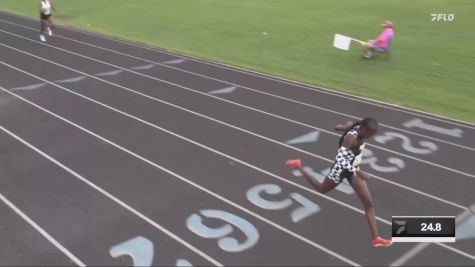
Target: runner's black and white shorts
x,y
44,16
337,173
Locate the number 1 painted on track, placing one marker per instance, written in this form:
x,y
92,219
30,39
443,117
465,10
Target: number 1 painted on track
x,y
455,132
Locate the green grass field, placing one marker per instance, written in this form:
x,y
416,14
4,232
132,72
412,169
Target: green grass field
x,y
431,67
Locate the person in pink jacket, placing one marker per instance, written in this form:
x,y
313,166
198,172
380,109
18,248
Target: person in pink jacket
x,y
382,43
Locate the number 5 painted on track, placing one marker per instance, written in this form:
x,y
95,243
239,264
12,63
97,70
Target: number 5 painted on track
x,y
307,207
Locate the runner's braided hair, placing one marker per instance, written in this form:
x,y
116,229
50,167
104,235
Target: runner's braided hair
x,y
368,123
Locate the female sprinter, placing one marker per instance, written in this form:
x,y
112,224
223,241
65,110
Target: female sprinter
x,y
352,144
46,18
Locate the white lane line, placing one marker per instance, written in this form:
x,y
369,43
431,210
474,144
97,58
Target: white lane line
x,y
416,250
246,87
38,228
190,141
193,184
102,191
318,89
240,105
220,122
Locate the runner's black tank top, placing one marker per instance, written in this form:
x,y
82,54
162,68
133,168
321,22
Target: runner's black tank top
x,y
358,148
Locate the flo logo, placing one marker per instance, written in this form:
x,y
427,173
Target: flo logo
x,y
447,17
401,226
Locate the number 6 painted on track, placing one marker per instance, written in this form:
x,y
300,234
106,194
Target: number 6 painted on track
x,y
140,249
226,243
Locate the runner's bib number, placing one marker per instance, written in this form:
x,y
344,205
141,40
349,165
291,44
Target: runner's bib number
x,y
357,160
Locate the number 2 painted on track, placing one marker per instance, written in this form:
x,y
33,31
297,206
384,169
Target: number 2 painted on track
x,y
418,123
427,147
307,208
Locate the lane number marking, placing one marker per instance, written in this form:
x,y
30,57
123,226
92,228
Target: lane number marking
x,y
222,234
306,209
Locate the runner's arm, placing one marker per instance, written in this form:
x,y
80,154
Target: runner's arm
x,y
343,127
348,142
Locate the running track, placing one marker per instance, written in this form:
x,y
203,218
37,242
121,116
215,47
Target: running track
x,y
114,153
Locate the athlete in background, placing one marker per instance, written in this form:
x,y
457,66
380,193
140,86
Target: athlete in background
x,y
46,18
346,166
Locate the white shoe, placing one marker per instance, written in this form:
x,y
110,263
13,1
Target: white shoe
x,y
42,38
50,32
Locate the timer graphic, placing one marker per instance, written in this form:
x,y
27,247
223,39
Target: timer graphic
x,y
423,228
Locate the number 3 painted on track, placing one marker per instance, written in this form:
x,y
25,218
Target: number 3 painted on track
x,y
370,159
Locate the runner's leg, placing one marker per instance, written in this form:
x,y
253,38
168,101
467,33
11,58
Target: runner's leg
x,y
324,187
361,188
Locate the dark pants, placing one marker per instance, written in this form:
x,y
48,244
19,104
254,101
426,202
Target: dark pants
x,y
44,19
